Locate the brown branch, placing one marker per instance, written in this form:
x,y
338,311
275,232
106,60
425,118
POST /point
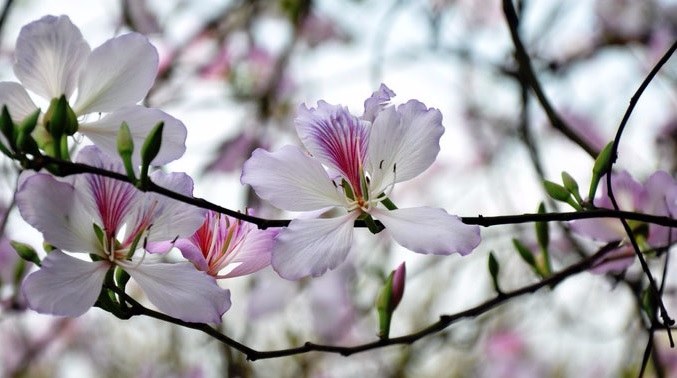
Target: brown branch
x,y
527,72
443,322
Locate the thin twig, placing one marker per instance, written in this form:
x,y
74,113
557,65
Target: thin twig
x,y
443,322
527,71
614,155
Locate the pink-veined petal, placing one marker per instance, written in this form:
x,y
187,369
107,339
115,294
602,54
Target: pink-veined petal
x,y
335,137
49,56
190,251
403,143
141,121
64,285
429,230
181,291
54,208
309,247
290,180
15,97
376,102
254,253
118,73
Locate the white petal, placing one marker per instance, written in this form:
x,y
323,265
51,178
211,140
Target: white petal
x,y
19,104
429,230
376,102
403,143
308,247
141,121
49,55
181,291
290,180
169,218
55,209
64,285
118,73
254,254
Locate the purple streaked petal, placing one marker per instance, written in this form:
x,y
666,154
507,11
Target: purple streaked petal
x,y
64,285
181,291
429,230
17,100
309,247
290,180
376,102
254,253
55,209
118,73
335,137
141,121
403,143
49,56
192,253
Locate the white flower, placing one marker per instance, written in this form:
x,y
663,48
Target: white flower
x,y
365,157
69,213
53,59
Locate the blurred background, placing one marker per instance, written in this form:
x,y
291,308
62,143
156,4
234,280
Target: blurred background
x,y
235,72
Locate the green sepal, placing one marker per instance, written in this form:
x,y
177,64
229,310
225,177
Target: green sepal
x,y
100,235
19,270
373,227
26,252
48,247
125,145
648,304
494,269
600,167
149,150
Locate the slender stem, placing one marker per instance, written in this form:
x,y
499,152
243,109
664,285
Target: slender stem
x,y
444,320
527,72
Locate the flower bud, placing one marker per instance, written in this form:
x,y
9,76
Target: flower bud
x,y
388,298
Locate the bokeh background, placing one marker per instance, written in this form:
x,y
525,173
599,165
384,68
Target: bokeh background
x,y
235,71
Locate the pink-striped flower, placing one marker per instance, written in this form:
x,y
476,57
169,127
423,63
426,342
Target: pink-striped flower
x,y
112,220
352,164
225,247
53,59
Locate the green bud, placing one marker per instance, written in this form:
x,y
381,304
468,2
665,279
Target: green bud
x,y
556,191
389,297
524,252
572,186
126,149
26,252
601,165
542,230
29,123
152,144
60,121
494,269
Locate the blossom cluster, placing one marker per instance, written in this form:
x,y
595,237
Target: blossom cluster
x,y
101,232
